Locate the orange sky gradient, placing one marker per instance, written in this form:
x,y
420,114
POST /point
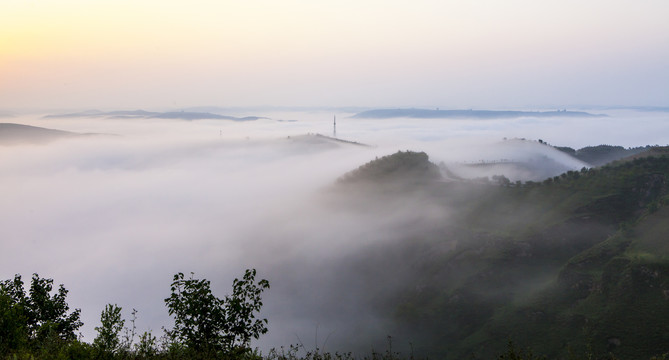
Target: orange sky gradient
x,y
161,54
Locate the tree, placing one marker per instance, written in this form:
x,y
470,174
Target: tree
x,y
108,333
240,308
36,316
13,331
47,314
198,315
207,324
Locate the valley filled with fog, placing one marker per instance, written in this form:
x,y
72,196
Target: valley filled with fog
x,y
114,214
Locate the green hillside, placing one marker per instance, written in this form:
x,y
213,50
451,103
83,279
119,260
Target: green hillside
x,y
575,264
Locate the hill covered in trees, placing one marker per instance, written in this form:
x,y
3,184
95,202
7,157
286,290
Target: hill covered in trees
x,y
403,167
578,263
602,154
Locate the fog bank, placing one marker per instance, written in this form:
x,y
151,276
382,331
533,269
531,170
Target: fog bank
x,y
114,217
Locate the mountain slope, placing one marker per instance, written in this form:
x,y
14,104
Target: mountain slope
x,y
578,262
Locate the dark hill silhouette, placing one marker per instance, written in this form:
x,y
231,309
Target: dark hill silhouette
x,y
602,154
181,115
200,116
322,140
11,134
649,151
14,134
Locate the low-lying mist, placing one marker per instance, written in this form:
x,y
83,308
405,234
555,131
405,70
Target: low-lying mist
x,y
114,217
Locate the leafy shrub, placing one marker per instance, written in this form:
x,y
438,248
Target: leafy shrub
x,y
108,334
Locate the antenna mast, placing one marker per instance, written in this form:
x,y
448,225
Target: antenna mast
x,y
334,127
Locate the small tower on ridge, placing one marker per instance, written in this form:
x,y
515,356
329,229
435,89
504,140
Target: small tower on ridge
x,y
334,126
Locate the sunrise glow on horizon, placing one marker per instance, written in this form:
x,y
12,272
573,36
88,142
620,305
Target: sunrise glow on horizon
x,y
374,53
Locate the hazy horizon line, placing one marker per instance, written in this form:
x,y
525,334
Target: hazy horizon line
x,y
8,111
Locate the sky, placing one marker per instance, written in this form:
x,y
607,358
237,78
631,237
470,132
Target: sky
x,y
57,54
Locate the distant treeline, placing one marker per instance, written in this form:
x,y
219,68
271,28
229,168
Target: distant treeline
x,y
602,154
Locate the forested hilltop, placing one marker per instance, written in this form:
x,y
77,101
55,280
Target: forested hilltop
x,y
575,266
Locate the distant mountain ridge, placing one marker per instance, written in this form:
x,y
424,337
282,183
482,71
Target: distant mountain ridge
x,y
132,114
467,114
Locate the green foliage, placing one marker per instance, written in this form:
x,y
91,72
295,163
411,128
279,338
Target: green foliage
x,y
37,326
199,316
108,340
207,324
13,330
240,309
48,313
38,319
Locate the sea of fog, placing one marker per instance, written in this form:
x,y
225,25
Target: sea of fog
x,y
114,217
